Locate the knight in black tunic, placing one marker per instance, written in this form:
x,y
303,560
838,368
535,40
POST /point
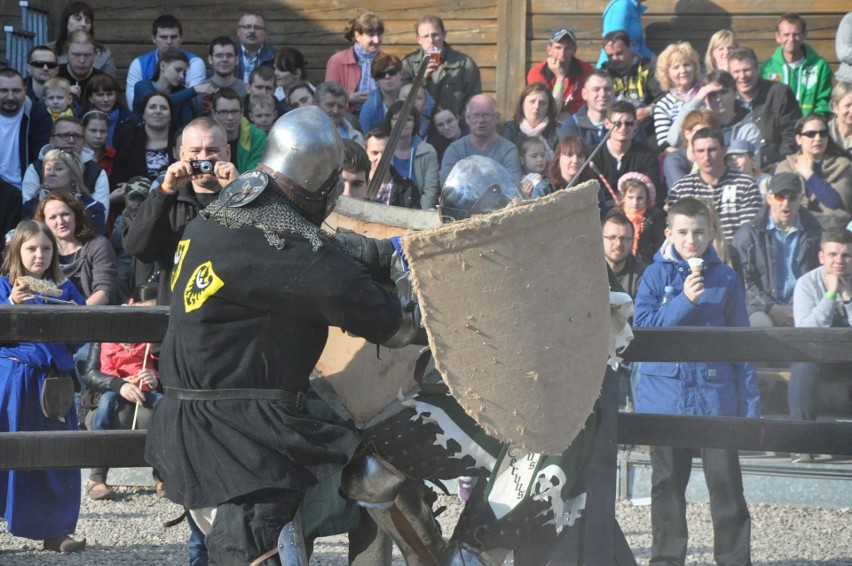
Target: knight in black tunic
x,y
255,287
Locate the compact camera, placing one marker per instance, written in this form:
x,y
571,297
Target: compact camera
x,y
202,166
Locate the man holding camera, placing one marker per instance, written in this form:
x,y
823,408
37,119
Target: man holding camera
x,y
189,186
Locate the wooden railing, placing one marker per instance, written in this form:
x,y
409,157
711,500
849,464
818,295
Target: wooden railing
x,y
603,540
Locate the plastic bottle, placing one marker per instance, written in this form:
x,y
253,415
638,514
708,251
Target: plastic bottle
x,y
668,295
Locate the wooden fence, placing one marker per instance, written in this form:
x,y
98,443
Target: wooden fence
x,y
603,539
504,37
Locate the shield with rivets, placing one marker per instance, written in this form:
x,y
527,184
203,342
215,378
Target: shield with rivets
x,y
516,307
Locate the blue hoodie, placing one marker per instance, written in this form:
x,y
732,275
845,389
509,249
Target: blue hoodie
x,y
694,388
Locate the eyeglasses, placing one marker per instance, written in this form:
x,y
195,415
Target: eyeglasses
x,y
69,136
249,27
624,123
223,56
389,72
814,133
481,116
792,197
614,239
43,64
228,112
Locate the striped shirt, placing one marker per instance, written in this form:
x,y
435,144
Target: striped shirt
x,y
736,198
666,110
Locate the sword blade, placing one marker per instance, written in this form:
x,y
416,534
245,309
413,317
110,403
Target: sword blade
x,y
387,155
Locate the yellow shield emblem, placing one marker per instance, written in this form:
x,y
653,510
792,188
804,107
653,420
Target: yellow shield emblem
x,y
202,285
180,253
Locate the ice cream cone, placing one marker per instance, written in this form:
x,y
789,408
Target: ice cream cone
x,y
695,264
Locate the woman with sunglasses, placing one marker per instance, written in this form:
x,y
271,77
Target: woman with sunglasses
x,y
386,71
824,169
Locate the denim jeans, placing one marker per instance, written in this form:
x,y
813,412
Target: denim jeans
x,y
111,402
195,547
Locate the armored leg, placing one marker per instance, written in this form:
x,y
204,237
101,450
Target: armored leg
x,y
291,544
369,544
396,505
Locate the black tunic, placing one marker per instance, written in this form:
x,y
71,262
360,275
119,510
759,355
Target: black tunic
x,y
247,315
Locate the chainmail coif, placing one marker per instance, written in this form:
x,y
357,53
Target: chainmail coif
x,y
270,212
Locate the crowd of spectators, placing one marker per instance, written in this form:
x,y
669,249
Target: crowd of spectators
x,y
766,145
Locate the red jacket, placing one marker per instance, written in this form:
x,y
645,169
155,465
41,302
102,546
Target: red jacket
x,y
573,94
118,361
107,160
343,68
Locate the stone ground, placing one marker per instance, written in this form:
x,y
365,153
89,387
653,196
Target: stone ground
x,y
129,531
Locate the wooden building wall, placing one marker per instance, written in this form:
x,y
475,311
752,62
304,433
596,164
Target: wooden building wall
x,y
504,37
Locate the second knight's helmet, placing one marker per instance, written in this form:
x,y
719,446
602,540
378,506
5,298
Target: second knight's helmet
x,y
477,185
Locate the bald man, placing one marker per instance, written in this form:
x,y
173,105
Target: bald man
x,y
483,117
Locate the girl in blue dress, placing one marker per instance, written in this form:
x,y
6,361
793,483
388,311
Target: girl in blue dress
x,y
43,504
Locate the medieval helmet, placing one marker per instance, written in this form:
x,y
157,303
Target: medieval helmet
x,y
304,154
477,185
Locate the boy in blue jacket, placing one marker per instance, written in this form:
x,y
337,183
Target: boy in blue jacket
x,y
709,295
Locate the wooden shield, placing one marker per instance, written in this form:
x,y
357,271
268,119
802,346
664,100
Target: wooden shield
x,y
361,377
516,306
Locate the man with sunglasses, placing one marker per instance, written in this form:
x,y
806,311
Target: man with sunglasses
x,y
622,154
24,127
776,247
42,65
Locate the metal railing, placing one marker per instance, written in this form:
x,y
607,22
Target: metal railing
x,y
34,30
34,20
18,45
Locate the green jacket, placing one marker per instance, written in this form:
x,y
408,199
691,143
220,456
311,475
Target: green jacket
x,y
250,146
810,80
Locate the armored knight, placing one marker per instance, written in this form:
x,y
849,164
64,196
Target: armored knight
x,y
256,286
433,438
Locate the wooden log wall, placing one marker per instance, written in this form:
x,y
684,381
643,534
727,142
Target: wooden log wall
x,y
505,37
